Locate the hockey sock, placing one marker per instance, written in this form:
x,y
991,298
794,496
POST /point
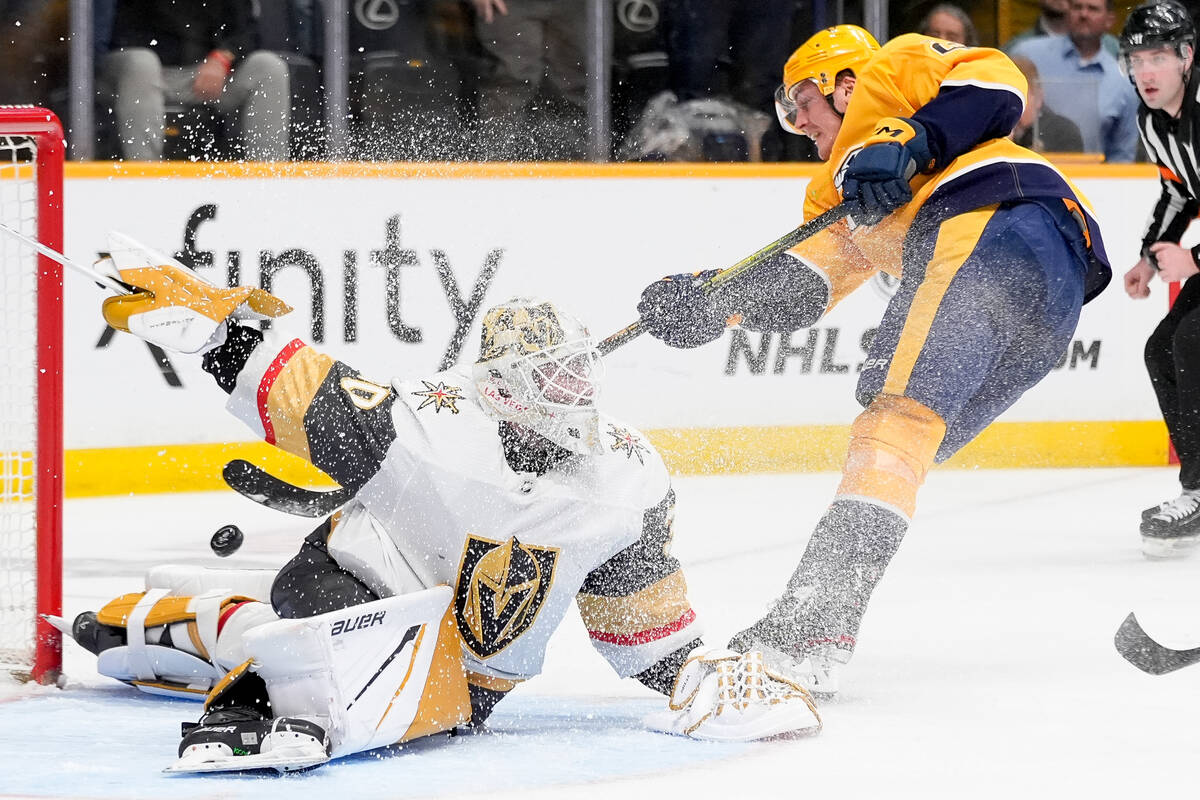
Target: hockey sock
x,y
841,566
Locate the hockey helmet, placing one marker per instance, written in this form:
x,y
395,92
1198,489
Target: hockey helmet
x,y
828,52
1165,23
820,59
539,367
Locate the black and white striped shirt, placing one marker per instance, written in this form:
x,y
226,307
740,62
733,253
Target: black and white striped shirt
x,y
1174,145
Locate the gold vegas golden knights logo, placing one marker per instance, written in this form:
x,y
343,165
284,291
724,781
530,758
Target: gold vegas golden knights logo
x,y
501,588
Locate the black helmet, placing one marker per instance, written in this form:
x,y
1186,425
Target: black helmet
x,y
1155,24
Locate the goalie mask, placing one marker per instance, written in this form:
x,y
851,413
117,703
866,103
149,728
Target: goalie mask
x,y
540,368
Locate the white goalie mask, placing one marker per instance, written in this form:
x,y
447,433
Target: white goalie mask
x,y
540,368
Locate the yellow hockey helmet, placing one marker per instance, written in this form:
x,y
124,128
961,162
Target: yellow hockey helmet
x,y
828,52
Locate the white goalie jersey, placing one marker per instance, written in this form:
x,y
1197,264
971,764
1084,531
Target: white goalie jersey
x,y
437,503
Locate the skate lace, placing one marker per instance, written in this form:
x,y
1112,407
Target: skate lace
x,y
1180,507
747,683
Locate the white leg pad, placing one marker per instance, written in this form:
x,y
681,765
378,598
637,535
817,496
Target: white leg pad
x,y
174,671
372,675
184,579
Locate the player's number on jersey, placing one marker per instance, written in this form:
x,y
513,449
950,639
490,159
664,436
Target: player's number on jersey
x,y
364,394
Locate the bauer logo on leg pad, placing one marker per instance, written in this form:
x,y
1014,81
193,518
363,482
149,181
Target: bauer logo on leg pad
x,y
357,623
365,673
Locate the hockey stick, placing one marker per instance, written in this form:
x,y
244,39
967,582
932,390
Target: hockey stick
x,y
268,490
117,285
724,277
265,489
1136,646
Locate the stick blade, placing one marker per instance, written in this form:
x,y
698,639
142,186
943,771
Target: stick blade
x,y
265,489
1136,647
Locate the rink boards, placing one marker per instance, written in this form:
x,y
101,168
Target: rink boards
x,y
380,262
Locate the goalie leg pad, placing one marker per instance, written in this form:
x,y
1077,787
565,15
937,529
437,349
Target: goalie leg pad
x,y
177,646
373,675
183,580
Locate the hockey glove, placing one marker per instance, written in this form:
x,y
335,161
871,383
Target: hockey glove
x,y
724,696
877,177
175,308
678,311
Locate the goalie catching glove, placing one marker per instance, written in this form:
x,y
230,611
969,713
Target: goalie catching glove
x,y
175,308
725,696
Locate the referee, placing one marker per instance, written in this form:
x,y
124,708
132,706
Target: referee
x,y
1157,49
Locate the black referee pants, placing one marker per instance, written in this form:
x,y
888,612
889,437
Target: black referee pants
x,y
1173,361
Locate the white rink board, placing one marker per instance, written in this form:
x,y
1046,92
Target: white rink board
x,y
589,243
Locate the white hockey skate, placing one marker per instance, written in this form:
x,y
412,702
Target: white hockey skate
x,y
794,648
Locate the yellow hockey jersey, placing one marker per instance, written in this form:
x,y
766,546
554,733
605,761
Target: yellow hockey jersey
x,y
967,99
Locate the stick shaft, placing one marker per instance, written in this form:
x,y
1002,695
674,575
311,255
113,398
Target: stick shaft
x,y
716,282
91,273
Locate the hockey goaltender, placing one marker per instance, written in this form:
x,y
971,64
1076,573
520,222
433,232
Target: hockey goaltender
x,y
483,503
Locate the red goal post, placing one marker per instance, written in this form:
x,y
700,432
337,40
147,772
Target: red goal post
x,y
31,396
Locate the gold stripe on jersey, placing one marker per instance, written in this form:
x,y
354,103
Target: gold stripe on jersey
x,y
957,238
446,701
290,396
659,604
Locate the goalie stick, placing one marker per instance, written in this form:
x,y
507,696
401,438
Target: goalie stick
x,y
1136,646
265,489
108,281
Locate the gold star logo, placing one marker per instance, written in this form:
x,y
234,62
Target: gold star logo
x,y
439,396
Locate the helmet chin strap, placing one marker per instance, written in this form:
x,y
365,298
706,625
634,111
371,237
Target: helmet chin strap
x,y
833,105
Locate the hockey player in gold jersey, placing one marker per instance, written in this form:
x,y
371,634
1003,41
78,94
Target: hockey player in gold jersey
x,y
485,502
995,253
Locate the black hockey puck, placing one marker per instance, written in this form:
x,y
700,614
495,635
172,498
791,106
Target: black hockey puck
x,y
227,540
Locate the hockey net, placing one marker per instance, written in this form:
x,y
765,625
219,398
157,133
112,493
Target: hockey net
x,y
31,457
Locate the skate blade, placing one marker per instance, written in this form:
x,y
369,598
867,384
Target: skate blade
x,y
284,759
63,625
1161,549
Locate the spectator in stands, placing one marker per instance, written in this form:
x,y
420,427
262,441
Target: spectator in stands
x,y
1039,128
948,21
33,53
191,53
1082,81
752,37
1053,22
536,45
731,49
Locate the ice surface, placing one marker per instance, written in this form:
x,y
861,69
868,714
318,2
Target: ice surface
x,y
985,669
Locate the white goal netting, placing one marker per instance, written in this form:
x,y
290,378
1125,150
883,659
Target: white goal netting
x,y
18,404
